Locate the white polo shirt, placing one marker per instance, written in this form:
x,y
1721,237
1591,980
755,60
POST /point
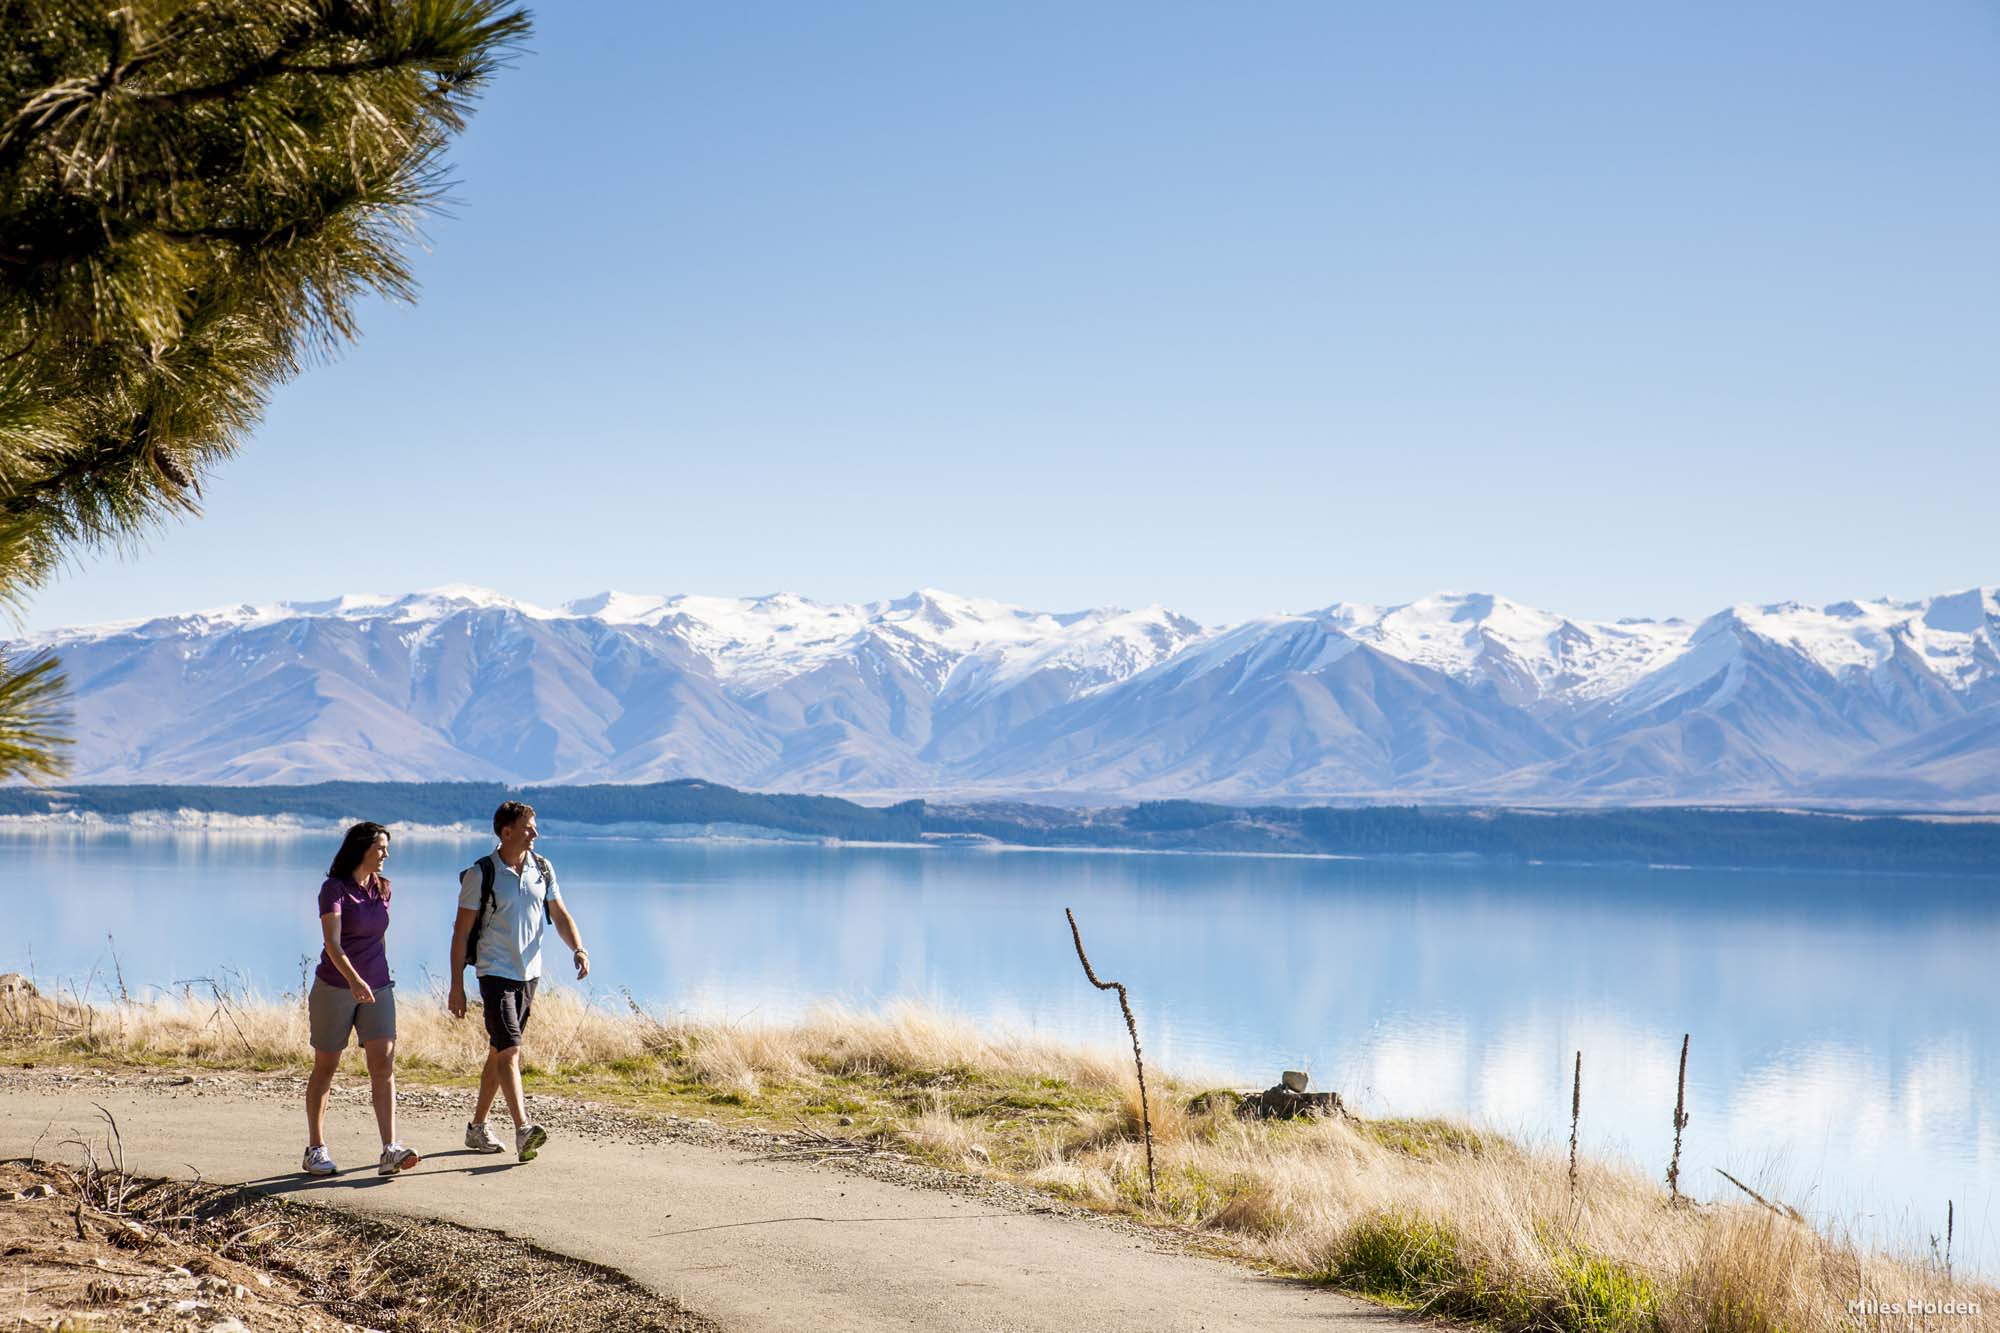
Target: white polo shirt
x,y
510,937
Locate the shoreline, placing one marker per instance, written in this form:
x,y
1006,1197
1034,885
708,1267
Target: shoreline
x,y
692,810
192,823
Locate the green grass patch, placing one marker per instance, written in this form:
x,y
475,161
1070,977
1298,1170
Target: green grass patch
x,y
836,1106
1399,1258
1181,1193
1427,1139
1599,1296
1419,1263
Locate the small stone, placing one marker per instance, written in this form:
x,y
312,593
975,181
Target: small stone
x,y
1294,1079
845,1120
263,1279
175,1270
189,1306
979,1150
230,1325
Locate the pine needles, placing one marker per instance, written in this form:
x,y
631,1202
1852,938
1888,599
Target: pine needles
x,y
33,719
195,195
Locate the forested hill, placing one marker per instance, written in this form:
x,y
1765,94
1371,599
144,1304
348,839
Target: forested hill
x,y
684,802
1691,837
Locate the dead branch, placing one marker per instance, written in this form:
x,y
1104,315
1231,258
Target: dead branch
x,y
1131,1026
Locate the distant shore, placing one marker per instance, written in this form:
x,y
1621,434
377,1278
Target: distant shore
x,y
1659,837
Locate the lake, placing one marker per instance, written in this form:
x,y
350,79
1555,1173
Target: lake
x,y
1845,1053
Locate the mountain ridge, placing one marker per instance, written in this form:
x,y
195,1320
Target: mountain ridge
x,y
1456,696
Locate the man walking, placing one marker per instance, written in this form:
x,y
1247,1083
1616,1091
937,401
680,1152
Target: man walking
x,y
505,898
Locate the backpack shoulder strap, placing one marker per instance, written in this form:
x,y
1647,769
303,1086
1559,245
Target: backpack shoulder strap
x,y
484,865
548,878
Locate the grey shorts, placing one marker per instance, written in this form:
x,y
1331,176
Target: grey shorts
x,y
331,1013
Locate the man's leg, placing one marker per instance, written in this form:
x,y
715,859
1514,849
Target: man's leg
x,y
504,1005
489,1086
510,1084
502,1030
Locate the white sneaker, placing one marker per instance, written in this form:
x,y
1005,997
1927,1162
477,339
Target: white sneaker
x,y
480,1139
396,1158
528,1140
317,1162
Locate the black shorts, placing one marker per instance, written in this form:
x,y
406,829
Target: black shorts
x,y
507,1003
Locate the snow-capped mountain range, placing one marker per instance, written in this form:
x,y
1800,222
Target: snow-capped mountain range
x,y
1457,697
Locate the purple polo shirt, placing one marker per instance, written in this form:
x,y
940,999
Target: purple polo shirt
x,y
364,922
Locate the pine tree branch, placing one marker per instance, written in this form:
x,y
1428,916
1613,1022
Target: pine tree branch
x,y
34,720
195,196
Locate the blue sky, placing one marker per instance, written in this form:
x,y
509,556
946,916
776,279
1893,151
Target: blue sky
x,y
1611,309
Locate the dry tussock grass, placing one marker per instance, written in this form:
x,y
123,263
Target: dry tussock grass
x,y
1424,1213
214,1025
1491,1231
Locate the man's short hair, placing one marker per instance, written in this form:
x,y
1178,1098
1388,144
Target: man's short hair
x,y
510,813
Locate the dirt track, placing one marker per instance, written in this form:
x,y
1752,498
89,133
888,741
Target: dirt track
x,y
752,1244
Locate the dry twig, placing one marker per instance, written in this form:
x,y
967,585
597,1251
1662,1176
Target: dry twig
x,y
1680,1123
1575,1113
1131,1026
1782,1210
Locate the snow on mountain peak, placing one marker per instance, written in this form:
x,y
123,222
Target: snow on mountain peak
x,y
1957,635
1093,648
967,647
755,642
448,598
618,608
1467,635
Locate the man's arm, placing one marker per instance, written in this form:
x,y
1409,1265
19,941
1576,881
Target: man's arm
x,y
566,927
460,928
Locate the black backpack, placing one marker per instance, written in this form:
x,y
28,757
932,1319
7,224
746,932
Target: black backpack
x,y
486,872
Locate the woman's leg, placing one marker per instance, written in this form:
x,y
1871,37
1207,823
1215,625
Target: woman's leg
x,y
382,1085
318,1084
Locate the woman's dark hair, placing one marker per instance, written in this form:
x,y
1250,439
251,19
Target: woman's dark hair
x,y
353,848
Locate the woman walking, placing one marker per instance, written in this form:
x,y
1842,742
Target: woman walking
x,y
352,993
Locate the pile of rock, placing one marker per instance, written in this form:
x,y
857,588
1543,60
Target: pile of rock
x,y
1289,1100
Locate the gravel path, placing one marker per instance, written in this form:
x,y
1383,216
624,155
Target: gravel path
x,y
744,1227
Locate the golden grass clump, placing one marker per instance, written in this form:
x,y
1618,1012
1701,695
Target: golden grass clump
x,y
1425,1213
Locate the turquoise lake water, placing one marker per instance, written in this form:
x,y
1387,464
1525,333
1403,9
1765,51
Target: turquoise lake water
x,y
1845,1035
